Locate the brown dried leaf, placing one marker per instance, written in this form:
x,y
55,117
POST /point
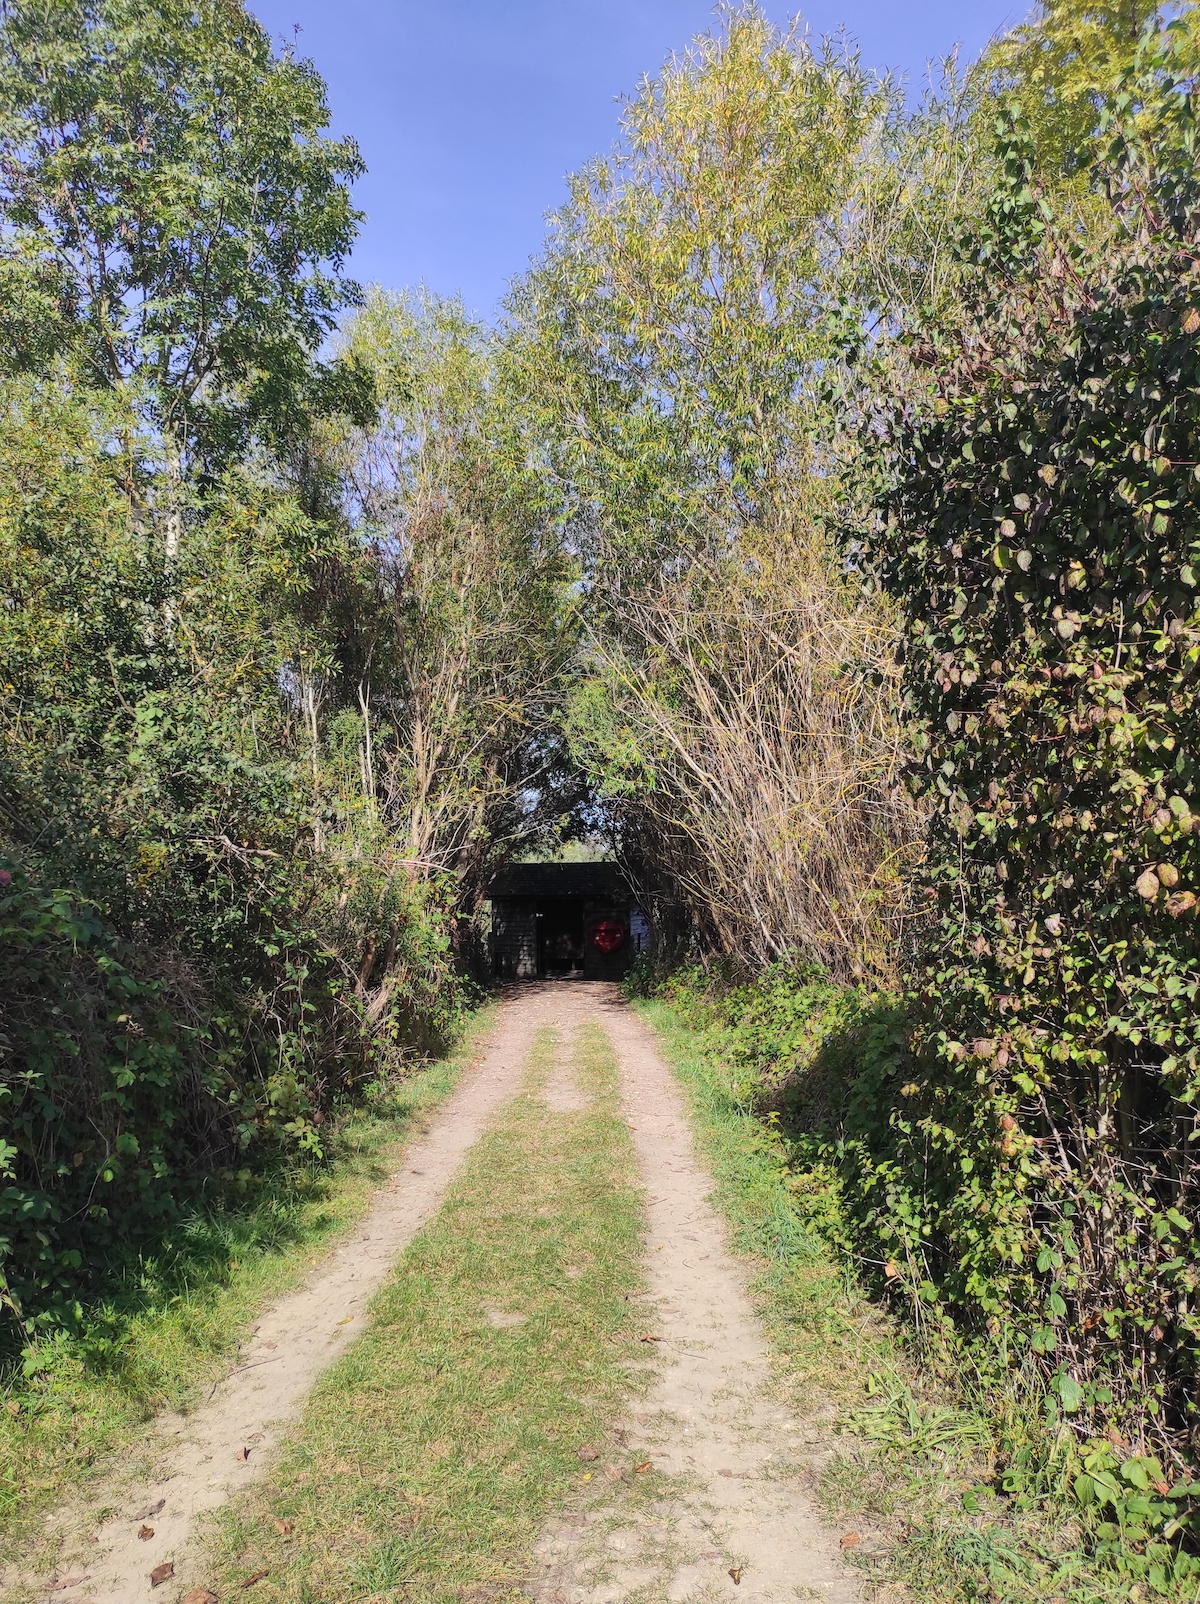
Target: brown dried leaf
x,y
284,1527
67,1581
257,1577
150,1511
243,1454
646,1464
648,1336
736,1573
851,1540
587,1453
199,1595
146,1533
162,1573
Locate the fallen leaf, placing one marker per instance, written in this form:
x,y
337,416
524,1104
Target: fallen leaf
x,y
162,1573
736,1573
13,1406
257,1437
146,1533
346,1321
284,1527
257,1577
648,1336
67,1581
851,1540
613,1472
646,1464
587,1453
243,1454
150,1510
199,1595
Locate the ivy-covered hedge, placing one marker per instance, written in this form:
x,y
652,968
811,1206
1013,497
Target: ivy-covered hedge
x,y
1031,1173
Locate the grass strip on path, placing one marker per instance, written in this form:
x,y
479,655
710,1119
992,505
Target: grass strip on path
x,y
174,1319
432,1452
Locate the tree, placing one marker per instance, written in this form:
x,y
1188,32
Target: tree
x,y
1062,66
174,218
677,342
465,629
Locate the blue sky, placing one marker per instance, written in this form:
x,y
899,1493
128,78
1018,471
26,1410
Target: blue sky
x,y
470,113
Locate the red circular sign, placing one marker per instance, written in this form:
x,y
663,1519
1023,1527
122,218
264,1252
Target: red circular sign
x,y
608,935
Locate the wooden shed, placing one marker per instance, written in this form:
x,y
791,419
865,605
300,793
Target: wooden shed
x,y
566,920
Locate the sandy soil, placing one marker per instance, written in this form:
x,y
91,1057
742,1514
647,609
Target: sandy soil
x,y
725,1509
733,1455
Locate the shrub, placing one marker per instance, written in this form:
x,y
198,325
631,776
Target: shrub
x,y
1032,1174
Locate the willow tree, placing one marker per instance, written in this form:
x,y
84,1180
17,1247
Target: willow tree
x,y
680,332
466,628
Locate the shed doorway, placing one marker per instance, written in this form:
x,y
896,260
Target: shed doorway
x,y
560,926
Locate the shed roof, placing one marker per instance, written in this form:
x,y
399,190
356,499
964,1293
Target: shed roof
x,y
559,880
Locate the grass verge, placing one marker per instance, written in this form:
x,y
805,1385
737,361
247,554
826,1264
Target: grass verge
x,y
916,1470
170,1322
431,1454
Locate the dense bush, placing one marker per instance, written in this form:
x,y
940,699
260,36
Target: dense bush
x,y
819,1065
208,929
203,940
1032,1173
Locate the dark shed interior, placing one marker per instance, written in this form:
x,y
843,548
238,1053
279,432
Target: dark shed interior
x,y
564,920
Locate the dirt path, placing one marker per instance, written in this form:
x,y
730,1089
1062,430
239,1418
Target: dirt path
x,y
710,1423
733,1514
205,1456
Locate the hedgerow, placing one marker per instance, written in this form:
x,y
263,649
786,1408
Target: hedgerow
x,y
1029,1171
